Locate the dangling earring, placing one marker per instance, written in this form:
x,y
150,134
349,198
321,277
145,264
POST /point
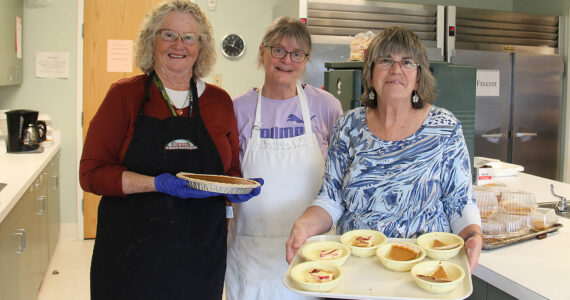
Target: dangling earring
x,y
415,97
371,95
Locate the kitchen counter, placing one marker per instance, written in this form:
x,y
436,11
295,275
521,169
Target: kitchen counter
x,y
18,171
534,269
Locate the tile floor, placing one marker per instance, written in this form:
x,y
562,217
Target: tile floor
x,y
72,261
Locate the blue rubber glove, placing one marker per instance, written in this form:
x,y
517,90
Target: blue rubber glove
x,y
169,184
239,198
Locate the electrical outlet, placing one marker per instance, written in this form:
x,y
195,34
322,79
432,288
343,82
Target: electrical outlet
x,y
212,5
218,80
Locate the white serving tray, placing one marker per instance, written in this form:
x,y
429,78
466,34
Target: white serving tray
x,y
367,278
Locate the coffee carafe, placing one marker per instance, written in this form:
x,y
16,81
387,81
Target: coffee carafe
x,y
25,132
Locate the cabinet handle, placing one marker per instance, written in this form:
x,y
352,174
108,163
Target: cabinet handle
x,y
55,182
22,234
43,207
523,134
493,135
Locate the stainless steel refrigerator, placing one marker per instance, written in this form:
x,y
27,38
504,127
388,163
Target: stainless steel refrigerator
x,y
519,121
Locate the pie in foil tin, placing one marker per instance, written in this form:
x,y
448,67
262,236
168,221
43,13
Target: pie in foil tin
x,y
219,183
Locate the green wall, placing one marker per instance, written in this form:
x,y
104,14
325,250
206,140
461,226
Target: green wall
x,y
52,28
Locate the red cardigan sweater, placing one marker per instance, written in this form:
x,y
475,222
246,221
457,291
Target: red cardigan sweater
x,y
111,130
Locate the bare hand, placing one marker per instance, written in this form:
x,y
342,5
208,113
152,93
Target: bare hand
x,y
473,246
296,240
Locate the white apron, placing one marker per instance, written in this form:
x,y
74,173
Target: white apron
x,y
292,169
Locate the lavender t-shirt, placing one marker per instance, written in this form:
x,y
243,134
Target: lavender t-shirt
x,y
283,118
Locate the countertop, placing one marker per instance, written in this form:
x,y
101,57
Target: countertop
x,y
18,171
534,269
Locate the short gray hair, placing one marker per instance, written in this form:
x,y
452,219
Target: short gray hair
x,y
152,23
286,27
394,40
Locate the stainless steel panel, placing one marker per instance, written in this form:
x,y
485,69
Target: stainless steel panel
x,y
505,40
370,24
506,16
508,33
316,30
330,14
374,7
537,103
321,53
492,113
502,25
509,48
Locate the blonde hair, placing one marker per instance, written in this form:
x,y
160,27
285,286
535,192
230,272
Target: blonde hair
x,y
286,27
395,40
152,23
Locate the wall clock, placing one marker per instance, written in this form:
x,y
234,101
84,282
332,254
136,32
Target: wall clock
x,y
233,45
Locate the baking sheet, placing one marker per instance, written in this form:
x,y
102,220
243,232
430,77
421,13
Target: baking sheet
x,y
367,278
489,244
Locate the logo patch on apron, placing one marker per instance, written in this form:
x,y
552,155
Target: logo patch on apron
x,y
180,144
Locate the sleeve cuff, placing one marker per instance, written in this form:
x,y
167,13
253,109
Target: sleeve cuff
x,y
329,206
470,216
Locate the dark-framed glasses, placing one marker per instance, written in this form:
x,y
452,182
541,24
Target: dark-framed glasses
x,y
387,63
280,52
187,38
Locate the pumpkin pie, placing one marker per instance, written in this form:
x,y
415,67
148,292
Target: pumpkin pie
x,y
439,245
402,253
438,276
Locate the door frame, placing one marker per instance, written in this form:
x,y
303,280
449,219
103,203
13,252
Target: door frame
x,y
79,115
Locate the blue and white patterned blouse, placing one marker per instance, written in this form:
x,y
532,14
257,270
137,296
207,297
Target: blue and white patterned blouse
x,y
402,188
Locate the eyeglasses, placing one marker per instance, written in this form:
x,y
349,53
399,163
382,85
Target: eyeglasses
x,y
187,38
296,56
405,65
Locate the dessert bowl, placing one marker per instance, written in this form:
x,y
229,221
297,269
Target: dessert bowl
x,y
440,245
400,256
369,239
329,251
437,276
301,276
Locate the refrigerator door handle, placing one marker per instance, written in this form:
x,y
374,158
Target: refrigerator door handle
x,y
493,135
525,134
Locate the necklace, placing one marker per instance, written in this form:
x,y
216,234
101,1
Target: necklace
x,y
173,109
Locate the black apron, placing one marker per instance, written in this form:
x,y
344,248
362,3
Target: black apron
x,y
155,246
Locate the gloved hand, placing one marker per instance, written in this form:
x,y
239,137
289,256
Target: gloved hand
x,y
239,198
169,184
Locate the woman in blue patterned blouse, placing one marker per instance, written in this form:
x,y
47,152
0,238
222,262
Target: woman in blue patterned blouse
x,y
398,164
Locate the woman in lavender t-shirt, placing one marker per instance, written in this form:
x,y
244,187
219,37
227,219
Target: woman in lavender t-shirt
x,y
284,129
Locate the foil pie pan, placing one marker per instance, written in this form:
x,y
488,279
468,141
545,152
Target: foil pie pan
x,y
219,183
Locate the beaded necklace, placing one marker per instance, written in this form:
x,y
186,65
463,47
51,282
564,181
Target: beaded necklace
x,y
175,111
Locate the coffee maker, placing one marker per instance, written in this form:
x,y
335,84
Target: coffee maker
x,y
25,132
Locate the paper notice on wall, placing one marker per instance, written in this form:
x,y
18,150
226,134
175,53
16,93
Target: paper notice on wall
x,y
488,83
52,64
18,37
119,55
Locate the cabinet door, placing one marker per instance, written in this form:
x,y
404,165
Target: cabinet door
x,y
38,237
53,205
11,36
16,259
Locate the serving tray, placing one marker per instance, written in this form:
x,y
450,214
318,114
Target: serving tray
x,y
489,244
367,278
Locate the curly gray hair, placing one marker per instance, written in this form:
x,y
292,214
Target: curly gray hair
x,y
150,26
394,40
